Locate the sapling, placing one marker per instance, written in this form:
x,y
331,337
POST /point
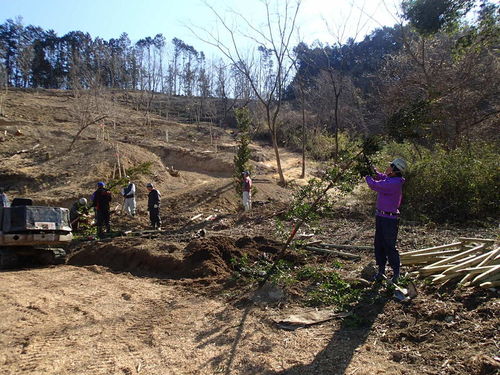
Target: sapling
x,y
344,175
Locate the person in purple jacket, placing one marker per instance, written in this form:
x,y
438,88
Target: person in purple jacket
x,y
389,186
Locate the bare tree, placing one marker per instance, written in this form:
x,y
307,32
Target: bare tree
x,y
88,106
300,86
336,67
274,38
439,96
3,89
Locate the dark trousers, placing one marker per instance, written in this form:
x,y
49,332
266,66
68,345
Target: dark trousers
x,y
154,217
386,235
102,219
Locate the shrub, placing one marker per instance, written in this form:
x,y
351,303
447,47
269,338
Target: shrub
x,y
454,186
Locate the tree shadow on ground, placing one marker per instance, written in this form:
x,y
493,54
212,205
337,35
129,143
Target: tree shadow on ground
x,y
333,359
353,333
224,362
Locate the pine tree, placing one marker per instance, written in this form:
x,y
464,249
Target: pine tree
x,y
242,157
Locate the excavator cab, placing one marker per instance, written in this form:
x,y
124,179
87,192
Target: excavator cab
x,y
37,233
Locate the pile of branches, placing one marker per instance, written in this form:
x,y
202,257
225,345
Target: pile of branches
x,y
470,261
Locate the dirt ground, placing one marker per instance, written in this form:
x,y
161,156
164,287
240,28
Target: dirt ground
x,y
171,302
132,306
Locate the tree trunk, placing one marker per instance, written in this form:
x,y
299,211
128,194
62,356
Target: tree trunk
x,y
337,125
303,174
278,160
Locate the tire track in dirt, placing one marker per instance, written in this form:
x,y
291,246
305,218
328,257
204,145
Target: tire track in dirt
x,y
101,322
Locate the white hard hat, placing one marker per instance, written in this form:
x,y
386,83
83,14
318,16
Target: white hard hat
x,y
400,164
83,201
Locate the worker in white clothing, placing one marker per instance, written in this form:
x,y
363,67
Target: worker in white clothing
x,y
129,204
247,190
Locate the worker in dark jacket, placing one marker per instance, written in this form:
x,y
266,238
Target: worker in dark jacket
x,y
154,198
100,201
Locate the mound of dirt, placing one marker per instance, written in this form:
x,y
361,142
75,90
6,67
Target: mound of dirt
x,y
259,242
123,257
210,257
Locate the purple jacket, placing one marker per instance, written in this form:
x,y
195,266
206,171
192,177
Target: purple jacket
x,y
390,192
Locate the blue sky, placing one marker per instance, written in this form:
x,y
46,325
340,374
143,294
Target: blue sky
x,y
141,18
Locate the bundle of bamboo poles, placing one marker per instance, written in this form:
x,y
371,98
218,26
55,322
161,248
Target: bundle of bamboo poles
x,y
470,261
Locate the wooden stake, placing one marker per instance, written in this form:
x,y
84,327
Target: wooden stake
x,y
346,247
480,240
476,270
333,252
491,255
427,271
490,284
431,249
471,262
118,161
485,275
442,277
454,258
429,255
124,170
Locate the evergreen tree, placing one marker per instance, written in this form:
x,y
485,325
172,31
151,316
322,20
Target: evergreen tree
x,y
242,157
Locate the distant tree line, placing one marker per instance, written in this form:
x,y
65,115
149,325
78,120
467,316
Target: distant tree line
x,y
33,57
431,80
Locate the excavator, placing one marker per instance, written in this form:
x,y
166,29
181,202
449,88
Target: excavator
x,y
33,234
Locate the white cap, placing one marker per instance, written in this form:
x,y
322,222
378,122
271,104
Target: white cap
x,y
400,164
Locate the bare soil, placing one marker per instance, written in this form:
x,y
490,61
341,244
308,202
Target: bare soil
x,y
171,302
